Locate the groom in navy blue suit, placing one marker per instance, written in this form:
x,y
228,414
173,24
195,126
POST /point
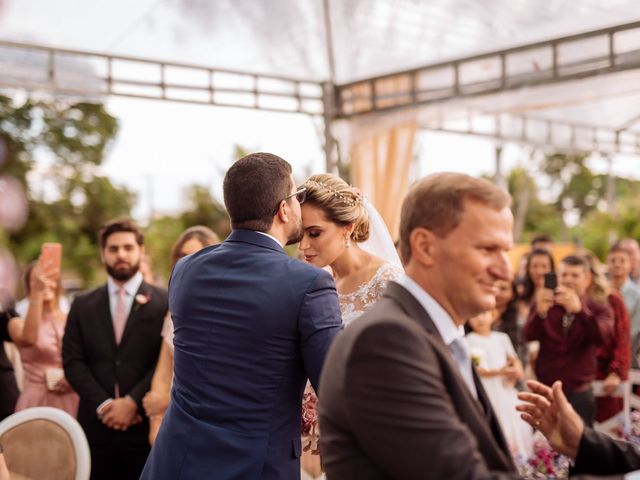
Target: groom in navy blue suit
x,y
251,325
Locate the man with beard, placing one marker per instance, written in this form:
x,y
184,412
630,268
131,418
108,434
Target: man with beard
x,y
110,348
251,325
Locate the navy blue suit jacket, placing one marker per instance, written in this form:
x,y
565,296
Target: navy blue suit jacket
x,y
251,324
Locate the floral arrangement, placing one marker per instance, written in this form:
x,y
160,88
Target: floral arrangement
x,y
476,356
309,428
633,433
544,463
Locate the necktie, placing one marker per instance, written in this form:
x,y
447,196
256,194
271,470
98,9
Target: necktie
x,y
120,318
460,351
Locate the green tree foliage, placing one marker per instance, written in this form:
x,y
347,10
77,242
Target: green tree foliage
x,y
74,137
582,193
200,209
600,229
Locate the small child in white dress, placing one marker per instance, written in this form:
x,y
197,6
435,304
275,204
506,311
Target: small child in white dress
x,y
499,368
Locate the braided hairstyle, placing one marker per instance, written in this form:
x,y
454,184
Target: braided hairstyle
x,y
341,203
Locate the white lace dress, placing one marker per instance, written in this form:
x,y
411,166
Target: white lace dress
x,y
354,304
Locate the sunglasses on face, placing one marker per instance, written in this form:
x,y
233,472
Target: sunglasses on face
x,y
300,194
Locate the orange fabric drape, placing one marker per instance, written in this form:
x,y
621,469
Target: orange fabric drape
x,y
380,168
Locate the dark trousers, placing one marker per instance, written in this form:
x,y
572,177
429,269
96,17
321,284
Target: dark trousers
x,y
113,461
8,392
585,404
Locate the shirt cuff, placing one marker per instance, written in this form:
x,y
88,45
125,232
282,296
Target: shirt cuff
x,y
102,405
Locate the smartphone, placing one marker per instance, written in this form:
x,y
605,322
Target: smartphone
x,y
551,280
51,258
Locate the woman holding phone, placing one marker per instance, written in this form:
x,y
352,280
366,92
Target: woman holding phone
x,y
39,340
539,264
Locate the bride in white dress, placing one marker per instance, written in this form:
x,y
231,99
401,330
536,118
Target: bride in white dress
x,y
343,231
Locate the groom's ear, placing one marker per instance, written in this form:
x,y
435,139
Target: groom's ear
x,y
284,212
422,242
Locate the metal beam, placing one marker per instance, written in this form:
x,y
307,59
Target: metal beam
x,y
593,139
489,73
82,73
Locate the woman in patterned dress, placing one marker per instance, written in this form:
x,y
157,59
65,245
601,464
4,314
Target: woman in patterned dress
x,y
39,340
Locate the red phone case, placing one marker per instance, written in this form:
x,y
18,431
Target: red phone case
x,y
51,257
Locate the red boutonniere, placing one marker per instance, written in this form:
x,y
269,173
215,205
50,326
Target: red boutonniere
x,y
142,299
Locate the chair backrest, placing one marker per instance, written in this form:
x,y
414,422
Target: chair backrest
x,y
45,443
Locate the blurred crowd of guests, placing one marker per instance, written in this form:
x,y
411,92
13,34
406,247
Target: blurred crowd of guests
x,y
106,358
576,321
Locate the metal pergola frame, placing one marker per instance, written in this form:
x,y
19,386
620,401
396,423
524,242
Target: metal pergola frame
x,y
395,91
500,79
218,87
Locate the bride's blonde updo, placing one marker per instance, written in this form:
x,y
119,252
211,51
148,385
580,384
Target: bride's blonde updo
x,y
340,203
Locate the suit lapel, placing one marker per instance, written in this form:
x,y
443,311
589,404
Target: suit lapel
x,y
490,415
103,311
412,308
136,308
416,311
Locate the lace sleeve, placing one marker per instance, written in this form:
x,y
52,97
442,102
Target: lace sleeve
x,y
352,305
387,272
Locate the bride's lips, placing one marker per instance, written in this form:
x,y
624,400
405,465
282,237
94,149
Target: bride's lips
x,y
309,258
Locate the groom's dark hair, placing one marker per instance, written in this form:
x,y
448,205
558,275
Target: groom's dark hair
x,y
252,188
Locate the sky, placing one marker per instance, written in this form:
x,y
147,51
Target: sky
x,y
164,147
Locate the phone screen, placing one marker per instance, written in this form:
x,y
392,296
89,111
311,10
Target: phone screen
x,y
550,281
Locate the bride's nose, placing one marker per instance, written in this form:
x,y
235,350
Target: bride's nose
x,y
304,243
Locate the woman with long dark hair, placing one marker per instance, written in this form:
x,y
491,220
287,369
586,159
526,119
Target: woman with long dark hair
x,y
539,262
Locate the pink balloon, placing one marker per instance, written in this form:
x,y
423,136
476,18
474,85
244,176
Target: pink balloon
x,y
8,276
13,204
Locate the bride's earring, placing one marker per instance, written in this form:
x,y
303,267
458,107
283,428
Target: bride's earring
x,y
347,241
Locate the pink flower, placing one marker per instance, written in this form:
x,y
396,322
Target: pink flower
x,y
309,422
142,299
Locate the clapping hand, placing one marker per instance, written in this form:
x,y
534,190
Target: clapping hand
x,y
548,410
545,298
42,280
569,299
610,384
512,371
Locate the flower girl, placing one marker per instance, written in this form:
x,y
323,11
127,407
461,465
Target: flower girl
x,y
499,368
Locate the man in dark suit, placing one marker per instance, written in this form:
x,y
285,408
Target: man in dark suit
x,y
592,453
251,325
398,396
110,348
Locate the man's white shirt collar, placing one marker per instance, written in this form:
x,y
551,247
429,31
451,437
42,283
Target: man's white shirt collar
x,y
271,237
447,329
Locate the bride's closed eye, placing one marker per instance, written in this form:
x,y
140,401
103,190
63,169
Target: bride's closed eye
x,y
314,233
